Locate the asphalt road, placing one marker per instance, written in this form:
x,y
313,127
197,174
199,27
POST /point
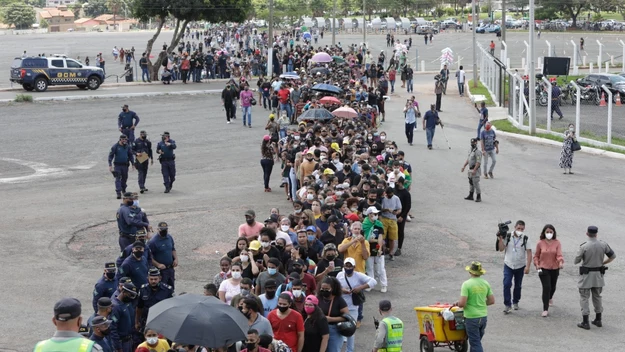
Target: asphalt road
x,y
58,220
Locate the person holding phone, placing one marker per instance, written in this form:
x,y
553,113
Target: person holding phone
x,y
410,118
566,156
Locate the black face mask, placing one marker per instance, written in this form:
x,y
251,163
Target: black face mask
x,y
105,332
298,270
325,294
270,294
249,221
126,299
280,248
163,233
142,240
110,276
372,200
138,254
128,202
331,257
305,222
250,346
282,309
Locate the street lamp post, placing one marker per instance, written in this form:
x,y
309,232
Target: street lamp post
x,y
474,26
532,73
270,41
334,23
364,23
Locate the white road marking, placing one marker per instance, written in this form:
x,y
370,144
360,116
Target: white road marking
x,y
41,171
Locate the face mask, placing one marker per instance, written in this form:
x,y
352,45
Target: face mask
x,y
138,254
135,203
110,276
330,257
549,235
309,310
272,271
374,217
311,238
297,211
245,292
282,309
249,221
105,332
338,193
152,340
354,209
250,346
163,233
571,129
265,244
306,222
284,228
349,271
345,185
519,233
270,294
236,275
310,196
297,293
325,294
382,138
245,258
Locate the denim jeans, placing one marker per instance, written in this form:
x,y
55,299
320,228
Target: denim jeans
x,y
409,86
351,339
247,112
392,86
145,73
479,129
461,88
287,108
335,342
410,131
508,276
429,133
492,155
475,328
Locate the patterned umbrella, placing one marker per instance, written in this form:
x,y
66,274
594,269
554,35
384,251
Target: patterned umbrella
x,y
329,100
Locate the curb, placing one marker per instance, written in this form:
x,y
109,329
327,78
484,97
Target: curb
x,y
108,85
124,95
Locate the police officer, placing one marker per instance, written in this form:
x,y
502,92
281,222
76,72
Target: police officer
x,y
129,221
390,334
120,156
555,100
135,266
105,306
150,294
136,209
120,285
591,254
67,321
164,254
100,326
122,318
142,148
127,252
127,121
167,159
474,160
106,285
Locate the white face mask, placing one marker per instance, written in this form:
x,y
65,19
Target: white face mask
x,y
310,196
152,340
345,184
244,258
297,293
354,209
297,211
549,235
265,244
284,228
519,233
236,275
338,193
382,138
571,129
336,161
374,217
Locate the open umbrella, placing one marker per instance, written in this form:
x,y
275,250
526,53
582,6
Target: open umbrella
x,y
290,75
327,88
315,115
323,70
321,57
306,36
329,100
338,59
345,112
198,320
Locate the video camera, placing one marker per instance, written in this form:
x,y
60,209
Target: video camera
x,y
502,232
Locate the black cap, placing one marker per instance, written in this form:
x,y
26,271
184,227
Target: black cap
x,y
110,265
593,229
104,302
128,195
333,218
154,272
165,133
294,276
385,305
298,261
99,320
67,309
162,225
123,136
141,232
124,280
143,131
130,287
271,283
271,219
138,244
125,106
83,330
401,152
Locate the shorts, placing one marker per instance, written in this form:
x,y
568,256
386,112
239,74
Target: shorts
x,y
390,228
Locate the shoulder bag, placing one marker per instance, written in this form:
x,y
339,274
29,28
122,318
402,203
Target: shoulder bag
x,y
357,298
575,146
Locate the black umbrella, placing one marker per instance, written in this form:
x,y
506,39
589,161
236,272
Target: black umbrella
x,y
198,320
315,115
327,88
323,70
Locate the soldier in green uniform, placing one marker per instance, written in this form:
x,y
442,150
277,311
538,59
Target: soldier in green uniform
x,y
390,334
474,160
591,254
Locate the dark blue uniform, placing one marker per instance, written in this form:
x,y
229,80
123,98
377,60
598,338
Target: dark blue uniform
x,y
168,163
121,157
104,342
127,252
125,121
162,248
121,325
149,297
128,221
143,146
103,288
555,101
135,269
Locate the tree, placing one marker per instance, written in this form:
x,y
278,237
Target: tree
x,y
36,3
43,23
183,12
19,15
95,8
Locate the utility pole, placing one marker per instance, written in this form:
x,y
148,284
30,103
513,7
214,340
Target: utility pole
x,y
503,21
334,23
532,73
474,27
364,24
270,42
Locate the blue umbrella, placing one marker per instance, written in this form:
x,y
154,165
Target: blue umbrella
x,y
327,88
306,36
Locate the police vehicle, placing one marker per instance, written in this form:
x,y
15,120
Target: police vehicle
x,y
38,73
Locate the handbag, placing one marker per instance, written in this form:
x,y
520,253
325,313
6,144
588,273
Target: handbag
x,y
575,146
357,298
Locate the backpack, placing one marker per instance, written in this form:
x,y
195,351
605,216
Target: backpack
x,y
508,236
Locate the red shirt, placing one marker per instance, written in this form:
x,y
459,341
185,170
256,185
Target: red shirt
x,y
283,95
286,329
311,284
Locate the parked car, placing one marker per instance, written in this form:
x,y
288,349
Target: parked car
x,y
615,83
38,73
427,29
490,28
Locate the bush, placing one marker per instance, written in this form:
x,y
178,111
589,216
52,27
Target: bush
x,y
450,11
43,23
23,98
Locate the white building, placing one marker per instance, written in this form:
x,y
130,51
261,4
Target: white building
x,y
55,3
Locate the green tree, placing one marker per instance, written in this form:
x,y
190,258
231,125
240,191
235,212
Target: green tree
x,y
43,23
318,7
570,8
95,8
19,15
36,3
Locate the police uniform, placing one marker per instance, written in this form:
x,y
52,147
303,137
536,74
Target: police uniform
x,y
120,157
135,268
126,122
105,286
555,101
390,332
103,341
149,296
127,252
103,303
122,321
591,254
167,159
128,222
163,248
143,145
474,160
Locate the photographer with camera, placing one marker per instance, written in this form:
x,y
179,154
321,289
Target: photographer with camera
x,y
517,261
411,112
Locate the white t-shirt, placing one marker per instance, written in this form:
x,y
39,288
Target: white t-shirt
x,y
285,236
460,75
230,290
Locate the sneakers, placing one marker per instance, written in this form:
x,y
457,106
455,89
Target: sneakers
x,y
545,314
491,175
507,310
485,175
383,290
398,252
408,218
228,122
551,302
515,306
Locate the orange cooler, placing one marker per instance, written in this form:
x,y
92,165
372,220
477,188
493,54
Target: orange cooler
x,y
437,329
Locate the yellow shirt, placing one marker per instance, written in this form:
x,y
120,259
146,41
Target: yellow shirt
x,y
355,251
161,346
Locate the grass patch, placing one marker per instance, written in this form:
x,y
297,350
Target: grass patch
x,y
23,98
507,126
481,90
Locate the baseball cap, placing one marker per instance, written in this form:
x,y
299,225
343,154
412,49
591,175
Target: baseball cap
x,y
271,283
251,213
254,245
294,276
110,266
128,195
67,309
352,217
385,305
138,244
104,302
350,260
328,172
312,299
162,225
371,210
298,261
311,228
124,280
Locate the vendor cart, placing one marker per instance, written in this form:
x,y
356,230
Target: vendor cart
x,y
435,331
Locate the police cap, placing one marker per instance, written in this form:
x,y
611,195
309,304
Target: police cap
x,y
138,244
124,280
141,233
109,265
99,320
67,309
128,195
154,272
165,133
385,305
593,229
125,106
143,132
105,302
130,287
162,225
83,330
